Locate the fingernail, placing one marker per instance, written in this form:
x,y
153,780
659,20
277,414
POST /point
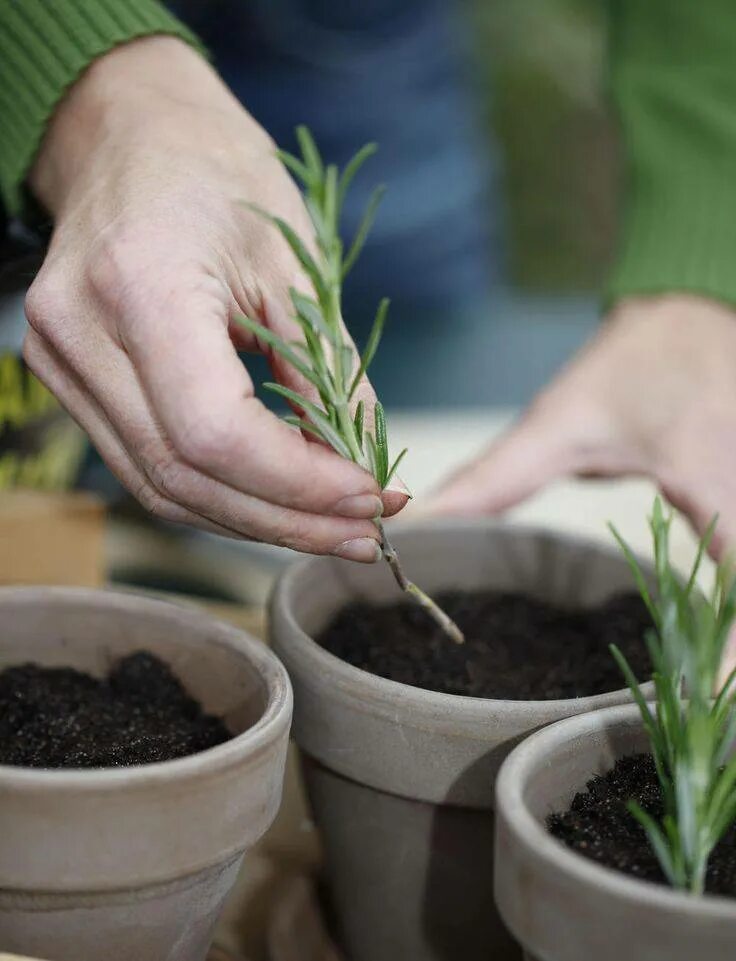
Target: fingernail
x,y
397,486
360,507
363,549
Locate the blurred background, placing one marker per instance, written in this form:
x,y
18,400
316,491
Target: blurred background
x,y
499,154
499,157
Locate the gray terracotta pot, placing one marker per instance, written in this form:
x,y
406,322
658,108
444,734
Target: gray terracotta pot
x,y
135,863
563,907
401,779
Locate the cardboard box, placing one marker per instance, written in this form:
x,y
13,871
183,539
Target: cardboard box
x,y
51,538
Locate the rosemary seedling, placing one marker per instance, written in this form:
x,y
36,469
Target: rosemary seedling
x,y
323,357
690,728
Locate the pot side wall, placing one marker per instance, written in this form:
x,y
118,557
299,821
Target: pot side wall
x,y
135,863
401,780
563,907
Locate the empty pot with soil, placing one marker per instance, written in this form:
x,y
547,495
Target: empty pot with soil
x,y
142,749
576,877
400,775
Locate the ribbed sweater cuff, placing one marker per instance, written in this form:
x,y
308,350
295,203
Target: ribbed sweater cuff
x,y
44,47
679,228
674,84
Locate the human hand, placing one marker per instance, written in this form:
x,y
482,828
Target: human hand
x,y
653,394
145,168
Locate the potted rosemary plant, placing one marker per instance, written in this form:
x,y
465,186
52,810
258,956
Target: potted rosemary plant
x,y
108,848
643,799
402,727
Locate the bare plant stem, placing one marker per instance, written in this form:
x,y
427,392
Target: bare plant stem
x,y
416,593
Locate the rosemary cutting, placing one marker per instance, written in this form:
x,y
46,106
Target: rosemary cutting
x,y
323,357
691,731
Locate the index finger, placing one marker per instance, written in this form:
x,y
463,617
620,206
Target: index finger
x,y
204,398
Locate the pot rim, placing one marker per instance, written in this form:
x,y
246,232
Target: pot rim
x,y
528,833
359,682
253,742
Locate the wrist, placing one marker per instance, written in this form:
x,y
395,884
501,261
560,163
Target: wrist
x,y
670,307
148,90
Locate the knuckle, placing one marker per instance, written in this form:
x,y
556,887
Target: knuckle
x,y
45,302
113,268
297,533
153,502
203,442
273,264
168,476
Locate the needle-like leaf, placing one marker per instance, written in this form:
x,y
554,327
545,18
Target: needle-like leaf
x,y
308,311
299,169
318,417
352,168
395,466
658,841
358,421
636,570
309,151
280,346
371,346
297,246
381,442
361,234
330,202
293,421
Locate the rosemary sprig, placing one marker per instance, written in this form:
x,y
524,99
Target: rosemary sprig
x,y
323,357
691,731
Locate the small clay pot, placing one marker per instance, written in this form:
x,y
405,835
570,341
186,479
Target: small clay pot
x,y
401,780
135,863
563,907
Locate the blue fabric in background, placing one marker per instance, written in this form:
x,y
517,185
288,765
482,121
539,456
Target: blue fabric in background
x,y
398,72
391,72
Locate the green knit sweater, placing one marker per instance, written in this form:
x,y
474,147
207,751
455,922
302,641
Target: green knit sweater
x,y
673,77
44,46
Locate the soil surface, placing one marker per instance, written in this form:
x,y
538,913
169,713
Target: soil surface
x,y
64,718
516,647
599,827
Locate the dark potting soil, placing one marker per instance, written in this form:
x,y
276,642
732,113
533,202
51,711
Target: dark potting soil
x,y
516,647
598,826
63,718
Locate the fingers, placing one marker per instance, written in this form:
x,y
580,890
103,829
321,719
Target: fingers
x,y
201,397
51,371
571,429
201,394
701,498
131,442
528,456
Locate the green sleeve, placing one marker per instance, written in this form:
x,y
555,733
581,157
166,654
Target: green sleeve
x,y
673,74
44,46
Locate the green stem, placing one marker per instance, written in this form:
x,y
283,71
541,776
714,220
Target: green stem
x,y
333,267
347,429
697,877
416,593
